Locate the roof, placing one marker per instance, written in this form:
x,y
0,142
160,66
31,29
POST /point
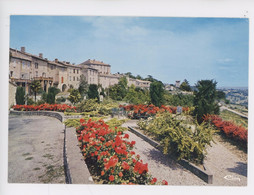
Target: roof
x,y
95,62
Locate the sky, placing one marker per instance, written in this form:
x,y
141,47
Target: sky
x,y
168,48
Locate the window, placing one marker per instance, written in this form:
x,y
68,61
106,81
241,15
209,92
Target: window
x,y
28,64
36,65
73,70
77,79
36,73
23,64
70,78
62,79
43,74
51,67
11,73
77,71
73,78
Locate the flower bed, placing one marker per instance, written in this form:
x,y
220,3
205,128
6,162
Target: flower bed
x,y
49,107
145,111
231,130
110,152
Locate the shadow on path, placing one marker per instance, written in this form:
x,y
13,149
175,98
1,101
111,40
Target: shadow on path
x,y
158,157
240,168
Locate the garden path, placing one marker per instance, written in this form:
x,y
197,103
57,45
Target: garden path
x,y
35,153
227,168
159,165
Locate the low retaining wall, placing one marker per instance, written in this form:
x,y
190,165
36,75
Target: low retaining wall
x,y
57,115
205,175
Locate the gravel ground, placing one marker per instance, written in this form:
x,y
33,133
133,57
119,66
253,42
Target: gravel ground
x,y
35,153
161,166
227,167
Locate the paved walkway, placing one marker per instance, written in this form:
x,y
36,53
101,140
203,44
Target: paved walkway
x,y
161,166
227,168
35,153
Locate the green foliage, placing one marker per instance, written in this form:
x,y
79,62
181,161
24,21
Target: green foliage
x,y
179,139
185,86
74,96
87,105
93,92
20,96
178,99
118,91
30,101
137,95
116,123
220,95
83,86
76,122
204,99
35,87
232,117
156,93
60,100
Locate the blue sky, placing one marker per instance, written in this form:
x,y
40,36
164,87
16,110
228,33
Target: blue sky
x,y
167,48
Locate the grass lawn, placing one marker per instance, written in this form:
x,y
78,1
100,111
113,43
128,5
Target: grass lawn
x,y
229,116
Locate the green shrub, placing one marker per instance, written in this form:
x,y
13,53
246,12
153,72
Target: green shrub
x,y
87,105
30,101
177,138
60,100
20,96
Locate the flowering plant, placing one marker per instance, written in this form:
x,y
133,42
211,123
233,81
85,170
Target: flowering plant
x,y
231,130
49,107
111,152
145,111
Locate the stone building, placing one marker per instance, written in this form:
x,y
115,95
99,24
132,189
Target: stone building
x,y
25,67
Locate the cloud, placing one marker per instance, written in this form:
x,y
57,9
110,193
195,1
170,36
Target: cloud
x,y
225,60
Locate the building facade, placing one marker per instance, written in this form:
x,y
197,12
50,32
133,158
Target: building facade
x,y
25,67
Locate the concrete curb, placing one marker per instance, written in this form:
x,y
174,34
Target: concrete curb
x,y
76,171
57,115
77,167
205,175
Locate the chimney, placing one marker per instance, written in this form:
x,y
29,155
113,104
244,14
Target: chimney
x,y
23,49
41,55
56,60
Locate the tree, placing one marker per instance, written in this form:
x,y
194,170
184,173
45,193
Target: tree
x,y
20,96
156,93
204,99
35,87
93,92
83,86
150,78
74,96
52,91
185,86
220,95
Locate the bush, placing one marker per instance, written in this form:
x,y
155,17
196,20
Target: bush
x,y
111,156
20,96
178,140
60,100
30,101
87,105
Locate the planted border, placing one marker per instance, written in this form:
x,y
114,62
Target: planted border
x,y
231,130
110,152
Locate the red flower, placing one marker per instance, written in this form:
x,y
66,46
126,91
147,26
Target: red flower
x,y
111,178
126,136
120,174
154,180
125,165
164,182
102,173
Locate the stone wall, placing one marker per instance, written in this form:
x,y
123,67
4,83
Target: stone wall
x,y
12,94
